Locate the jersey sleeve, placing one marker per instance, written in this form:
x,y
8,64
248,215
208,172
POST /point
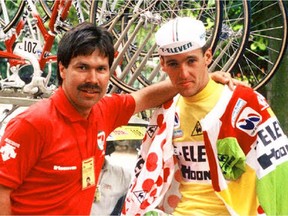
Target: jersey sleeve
x,y
117,109
19,149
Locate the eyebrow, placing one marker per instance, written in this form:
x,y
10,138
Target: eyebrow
x,y
186,58
81,63
87,64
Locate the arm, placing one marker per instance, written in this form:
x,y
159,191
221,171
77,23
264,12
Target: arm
x,y
5,203
157,94
153,95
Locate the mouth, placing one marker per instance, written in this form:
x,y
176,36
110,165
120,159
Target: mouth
x,y
90,89
183,83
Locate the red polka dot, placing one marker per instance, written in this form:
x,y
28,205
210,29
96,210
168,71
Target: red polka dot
x,y
173,201
168,104
159,181
163,143
178,176
175,160
162,128
151,162
160,120
144,204
124,208
154,192
147,184
166,173
145,137
260,210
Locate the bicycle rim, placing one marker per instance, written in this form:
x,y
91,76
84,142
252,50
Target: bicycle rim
x,y
233,37
14,10
266,44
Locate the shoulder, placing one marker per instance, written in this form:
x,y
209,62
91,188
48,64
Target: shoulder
x,y
38,114
116,103
250,95
244,91
117,99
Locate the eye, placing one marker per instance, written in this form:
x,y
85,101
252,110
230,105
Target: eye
x,y
172,64
191,61
83,67
102,69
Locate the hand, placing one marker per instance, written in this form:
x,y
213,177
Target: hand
x,y
225,78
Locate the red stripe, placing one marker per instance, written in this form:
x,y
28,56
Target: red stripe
x,y
173,31
212,162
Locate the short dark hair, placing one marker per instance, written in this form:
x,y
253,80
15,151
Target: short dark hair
x,y
207,45
84,39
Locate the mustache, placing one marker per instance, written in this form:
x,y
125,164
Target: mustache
x,y
89,86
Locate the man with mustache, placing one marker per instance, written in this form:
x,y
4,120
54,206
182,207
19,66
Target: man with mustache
x,y
49,150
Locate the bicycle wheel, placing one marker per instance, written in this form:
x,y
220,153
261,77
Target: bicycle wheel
x,y
137,62
78,12
266,45
234,35
10,13
103,12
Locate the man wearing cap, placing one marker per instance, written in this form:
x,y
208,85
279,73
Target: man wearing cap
x,y
211,150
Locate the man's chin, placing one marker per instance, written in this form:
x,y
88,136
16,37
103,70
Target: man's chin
x,y
186,93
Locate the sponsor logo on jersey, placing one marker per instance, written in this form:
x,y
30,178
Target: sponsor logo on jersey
x,y
197,131
236,110
248,121
177,133
101,139
8,150
272,146
193,161
140,195
64,168
151,129
176,120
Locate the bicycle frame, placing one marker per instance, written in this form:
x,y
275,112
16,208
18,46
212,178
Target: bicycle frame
x,y
59,12
19,56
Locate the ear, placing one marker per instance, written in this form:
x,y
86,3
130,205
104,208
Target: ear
x,y
62,70
162,62
208,56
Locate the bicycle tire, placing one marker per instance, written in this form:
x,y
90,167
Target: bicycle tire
x,y
234,35
13,17
267,43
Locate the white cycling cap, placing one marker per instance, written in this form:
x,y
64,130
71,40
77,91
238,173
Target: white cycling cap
x,y
180,35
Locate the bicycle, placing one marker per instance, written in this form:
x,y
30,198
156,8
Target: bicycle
x,y
37,42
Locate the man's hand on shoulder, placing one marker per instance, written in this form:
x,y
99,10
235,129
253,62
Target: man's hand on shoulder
x,y
225,78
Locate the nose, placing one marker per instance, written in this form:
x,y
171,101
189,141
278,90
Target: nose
x,y
183,71
92,76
